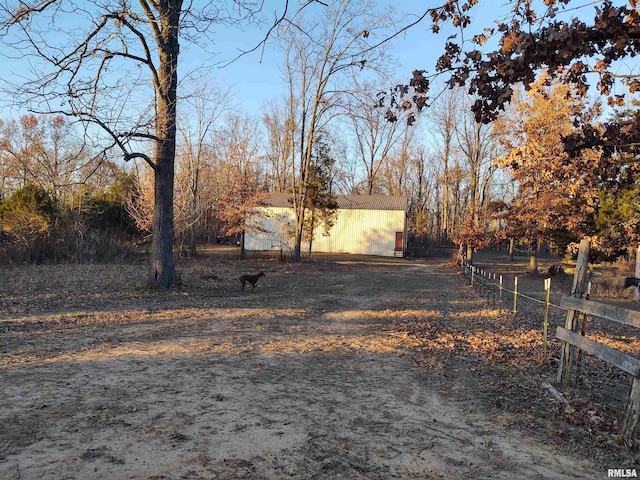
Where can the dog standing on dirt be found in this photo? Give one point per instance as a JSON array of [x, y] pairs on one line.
[[252, 279]]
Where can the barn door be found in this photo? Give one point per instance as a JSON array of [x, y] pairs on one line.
[[399, 242]]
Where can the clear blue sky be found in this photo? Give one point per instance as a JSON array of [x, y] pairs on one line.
[[256, 80], [256, 77]]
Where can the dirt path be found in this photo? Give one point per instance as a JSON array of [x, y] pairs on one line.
[[302, 382]]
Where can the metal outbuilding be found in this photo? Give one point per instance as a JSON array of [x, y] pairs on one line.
[[365, 224]]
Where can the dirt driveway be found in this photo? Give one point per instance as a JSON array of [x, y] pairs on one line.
[[306, 378]]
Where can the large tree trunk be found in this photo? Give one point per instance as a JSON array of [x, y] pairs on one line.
[[162, 265], [299, 204], [162, 271]]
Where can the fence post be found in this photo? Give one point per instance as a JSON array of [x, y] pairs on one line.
[[487, 278], [632, 414], [577, 290], [500, 287], [545, 324], [515, 295], [493, 292], [473, 271], [483, 285]]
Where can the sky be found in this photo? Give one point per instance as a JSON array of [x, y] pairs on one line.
[[256, 77], [257, 80]]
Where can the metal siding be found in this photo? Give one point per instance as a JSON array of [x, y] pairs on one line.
[[356, 231], [367, 232], [271, 223]]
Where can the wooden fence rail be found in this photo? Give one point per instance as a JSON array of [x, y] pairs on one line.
[[571, 338], [624, 362]]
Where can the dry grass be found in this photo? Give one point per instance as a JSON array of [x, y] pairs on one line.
[[328, 370]]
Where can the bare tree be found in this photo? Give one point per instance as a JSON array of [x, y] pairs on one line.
[[104, 69], [478, 151], [345, 175], [239, 175], [322, 57], [374, 135], [443, 117], [424, 193], [45, 151], [206, 104], [278, 153], [397, 163]]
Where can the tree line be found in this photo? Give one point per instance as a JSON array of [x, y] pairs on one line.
[[226, 165], [507, 147]]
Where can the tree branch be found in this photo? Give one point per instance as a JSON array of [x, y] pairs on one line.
[[276, 23], [144, 156]]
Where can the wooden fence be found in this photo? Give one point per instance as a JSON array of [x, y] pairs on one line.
[[576, 305], [624, 362]]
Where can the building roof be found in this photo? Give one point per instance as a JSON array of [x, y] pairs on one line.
[[349, 202]]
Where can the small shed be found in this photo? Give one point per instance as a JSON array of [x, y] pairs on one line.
[[364, 224]]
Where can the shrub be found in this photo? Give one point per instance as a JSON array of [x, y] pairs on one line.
[[27, 218]]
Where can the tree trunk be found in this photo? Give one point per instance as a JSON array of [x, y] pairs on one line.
[[312, 227], [192, 241], [297, 250], [512, 248], [445, 199], [300, 200], [162, 272], [533, 258], [470, 254], [194, 212], [243, 253]]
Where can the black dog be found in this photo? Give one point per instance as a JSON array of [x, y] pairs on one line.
[[252, 279], [629, 281]]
